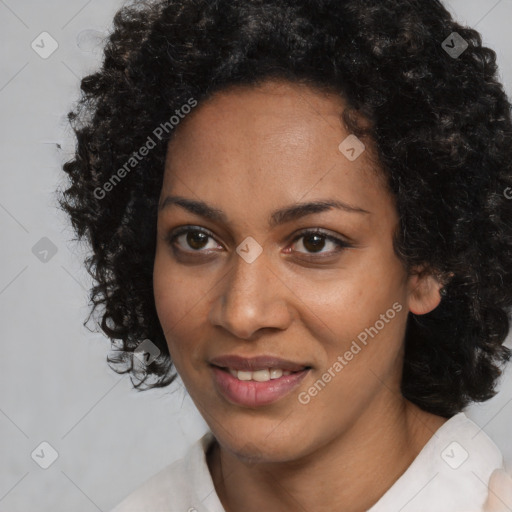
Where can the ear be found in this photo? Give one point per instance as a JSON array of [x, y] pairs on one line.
[[424, 292]]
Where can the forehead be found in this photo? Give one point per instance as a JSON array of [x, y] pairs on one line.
[[278, 141]]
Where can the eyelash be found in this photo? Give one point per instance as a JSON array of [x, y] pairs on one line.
[[341, 244]]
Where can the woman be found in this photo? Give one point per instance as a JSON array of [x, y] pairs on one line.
[[301, 207]]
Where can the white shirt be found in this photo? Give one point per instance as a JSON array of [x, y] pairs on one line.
[[450, 474]]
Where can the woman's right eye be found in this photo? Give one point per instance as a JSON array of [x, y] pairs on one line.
[[191, 240]]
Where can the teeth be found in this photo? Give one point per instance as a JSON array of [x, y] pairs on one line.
[[275, 373], [263, 375]]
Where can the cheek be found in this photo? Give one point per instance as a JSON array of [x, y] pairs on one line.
[[366, 329], [361, 352], [359, 317], [183, 301], [341, 306], [176, 302], [167, 287], [178, 290]]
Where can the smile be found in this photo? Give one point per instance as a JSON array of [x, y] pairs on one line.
[[263, 375], [256, 388]]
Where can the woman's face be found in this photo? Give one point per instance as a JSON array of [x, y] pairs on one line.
[[249, 282]]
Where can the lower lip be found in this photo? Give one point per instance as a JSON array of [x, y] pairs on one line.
[[251, 393]]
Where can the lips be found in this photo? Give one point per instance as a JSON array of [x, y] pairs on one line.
[[234, 379]]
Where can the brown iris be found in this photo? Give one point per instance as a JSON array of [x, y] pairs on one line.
[[196, 239], [316, 245]]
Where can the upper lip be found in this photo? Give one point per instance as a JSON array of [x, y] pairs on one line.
[[255, 363]]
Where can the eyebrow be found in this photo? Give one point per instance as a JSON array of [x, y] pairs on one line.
[[280, 216]]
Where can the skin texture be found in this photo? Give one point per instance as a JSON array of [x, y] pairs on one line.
[[500, 492], [248, 151]]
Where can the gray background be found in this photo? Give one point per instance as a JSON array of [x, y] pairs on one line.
[[55, 384]]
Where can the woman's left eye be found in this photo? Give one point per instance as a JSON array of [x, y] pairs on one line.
[[315, 241]]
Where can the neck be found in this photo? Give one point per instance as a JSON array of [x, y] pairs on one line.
[[349, 473]]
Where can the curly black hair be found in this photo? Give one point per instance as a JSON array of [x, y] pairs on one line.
[[440, 122]]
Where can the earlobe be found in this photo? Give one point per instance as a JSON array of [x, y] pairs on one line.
[[424, 293]]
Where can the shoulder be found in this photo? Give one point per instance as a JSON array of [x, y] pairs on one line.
[[450, 474], [465, 449], [184, 485]]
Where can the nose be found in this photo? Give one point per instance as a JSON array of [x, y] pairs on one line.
[[251, 297]]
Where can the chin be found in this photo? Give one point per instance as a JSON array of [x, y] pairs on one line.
[[257, 445]]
